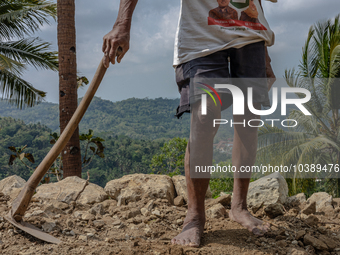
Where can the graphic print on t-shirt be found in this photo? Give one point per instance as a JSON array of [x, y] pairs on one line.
[[235, 13]]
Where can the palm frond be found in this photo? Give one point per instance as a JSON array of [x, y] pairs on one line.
[[11, 64], [24, 17], [18, 91], [309, 63], [307, 124], [31, 51]]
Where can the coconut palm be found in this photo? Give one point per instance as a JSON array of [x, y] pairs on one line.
[[316, 140], [68, 84], [19, 19]]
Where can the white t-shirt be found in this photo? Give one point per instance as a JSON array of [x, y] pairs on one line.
[[206, 27]]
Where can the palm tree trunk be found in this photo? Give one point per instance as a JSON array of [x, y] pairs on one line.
[[71, 156]]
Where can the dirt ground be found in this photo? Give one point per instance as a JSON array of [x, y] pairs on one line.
[[106, 228]]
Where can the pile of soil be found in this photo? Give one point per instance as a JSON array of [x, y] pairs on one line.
[[147, 227]]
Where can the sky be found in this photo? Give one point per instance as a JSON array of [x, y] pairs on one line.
[[146, 70]]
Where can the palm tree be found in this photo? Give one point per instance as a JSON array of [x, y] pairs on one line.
[[20, 19], [316, 140], [68, 84]]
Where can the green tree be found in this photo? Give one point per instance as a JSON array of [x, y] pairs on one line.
[[316, 139], [19, 20], [171, 158]]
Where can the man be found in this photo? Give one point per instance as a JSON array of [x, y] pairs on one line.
[[223, 11], [203, 50]]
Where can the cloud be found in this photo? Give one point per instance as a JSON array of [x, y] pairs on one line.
[[146, 70]]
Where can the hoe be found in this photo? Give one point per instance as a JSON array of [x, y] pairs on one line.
[[21, 202]]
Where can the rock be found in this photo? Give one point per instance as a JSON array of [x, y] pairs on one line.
[[132, 188], [329, 242], [90, 235], [181, 187], [37, 212], [269, 189], [128, 195], [312, 220], [49, 226], [51, 210], [98, 223], [274, 210], [70, 223], [336, 202], [322, 230], [179, 222], [87, 216], [323, 201], [256, 207], [116, 223], [145, 211], [149, 205], [309, 209], [108, 203], [78, 214], [300, 234], [82, 238], [148, 231], [216, 211], [179, 201], [296, 200], [281, 243], [68, 189], [293, 212], [316, 243], [298, 252], [97, 210], [224, 200], [59, 205], [156, 212], [133, 213], [11, 186]]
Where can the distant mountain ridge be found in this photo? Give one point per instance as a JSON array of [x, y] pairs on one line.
[[134, 117]]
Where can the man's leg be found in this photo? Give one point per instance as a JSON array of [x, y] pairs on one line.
[[244, 154], [200, 151]]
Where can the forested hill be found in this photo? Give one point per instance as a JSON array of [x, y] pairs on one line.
[[137, 118]]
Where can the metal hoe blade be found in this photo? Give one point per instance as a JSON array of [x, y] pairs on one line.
[[33, 230]]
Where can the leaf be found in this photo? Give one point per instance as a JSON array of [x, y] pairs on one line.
[[12, 148], [55, 136], [82, 137], [52, 141], [30, 157], [99, 145], [22, 155], [11, 159], [101, 154], [93, 149], [97, 139]]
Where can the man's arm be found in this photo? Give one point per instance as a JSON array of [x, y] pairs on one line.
[[119, 36]]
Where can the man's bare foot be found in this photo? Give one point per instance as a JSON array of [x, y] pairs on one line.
[[243, 217], [192, 231]]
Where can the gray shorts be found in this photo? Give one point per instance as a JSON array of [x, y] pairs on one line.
[[245, 64]]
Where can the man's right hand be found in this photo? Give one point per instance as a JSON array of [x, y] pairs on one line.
[[118, 37]]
